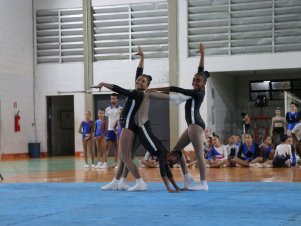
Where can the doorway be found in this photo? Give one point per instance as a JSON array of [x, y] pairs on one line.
[[60, 126]]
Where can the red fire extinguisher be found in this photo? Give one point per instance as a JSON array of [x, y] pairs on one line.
[[17, 122]]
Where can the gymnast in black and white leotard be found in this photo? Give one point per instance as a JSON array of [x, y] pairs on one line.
[[127, 122], [129, 132], [195, 124], [152, 144], [129, 129]]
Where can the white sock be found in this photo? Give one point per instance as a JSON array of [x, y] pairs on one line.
[[203, 182], [188, 177], [122, 180], [140, 180], [115, 180]]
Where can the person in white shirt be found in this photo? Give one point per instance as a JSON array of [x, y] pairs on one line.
[[297, 132], [232, 147], [283, 153], [217, 156], [112, 114]]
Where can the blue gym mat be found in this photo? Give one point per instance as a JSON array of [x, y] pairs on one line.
[[226, 203]]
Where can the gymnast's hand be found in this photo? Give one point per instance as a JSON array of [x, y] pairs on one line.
[[202, 48], [178, 189], [170, 190], [99, 86], [140, 52]]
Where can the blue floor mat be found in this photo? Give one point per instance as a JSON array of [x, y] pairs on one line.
[[226, 203]]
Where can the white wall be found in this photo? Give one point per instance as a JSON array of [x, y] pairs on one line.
[[16, 74], [50, 79], [221, 109], [123, 72]]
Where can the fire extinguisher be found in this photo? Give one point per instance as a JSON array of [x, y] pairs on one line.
[[17, 122]]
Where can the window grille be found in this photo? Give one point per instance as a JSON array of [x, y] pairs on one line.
[[230, 27], [59, 36], [119, 30]]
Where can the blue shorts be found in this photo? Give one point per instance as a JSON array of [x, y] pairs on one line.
[[111, 135], [290, 126]]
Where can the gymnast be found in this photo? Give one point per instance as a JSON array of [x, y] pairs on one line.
[[195, 123], [146, 136]]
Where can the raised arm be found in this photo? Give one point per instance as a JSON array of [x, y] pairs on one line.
[[141, 63], [202, 57]]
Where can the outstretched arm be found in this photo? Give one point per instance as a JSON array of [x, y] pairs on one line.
[[177, 98], [103, 84], [160, 89], [172, 180], [116, 89]]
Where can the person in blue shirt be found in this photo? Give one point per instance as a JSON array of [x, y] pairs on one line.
[[100, 140], [247, 154], [86, 128], [292, 117]]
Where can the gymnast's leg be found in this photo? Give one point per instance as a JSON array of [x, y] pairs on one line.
[[195, 133], [126, 145], [182, 142]]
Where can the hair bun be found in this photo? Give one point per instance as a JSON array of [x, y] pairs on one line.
[[207, 74]]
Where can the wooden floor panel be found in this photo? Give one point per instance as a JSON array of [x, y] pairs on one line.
[[70, 169]]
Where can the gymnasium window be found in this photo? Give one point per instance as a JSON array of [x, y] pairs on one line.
[[231, 27], [118, 31], [274, 90]]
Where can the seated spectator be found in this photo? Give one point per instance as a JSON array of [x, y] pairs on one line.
[[266, 153], [294, 154], [207, 146], [248, 153], [217, 156], [296, 135], [283, 153], [232, 147], [238, 140]]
